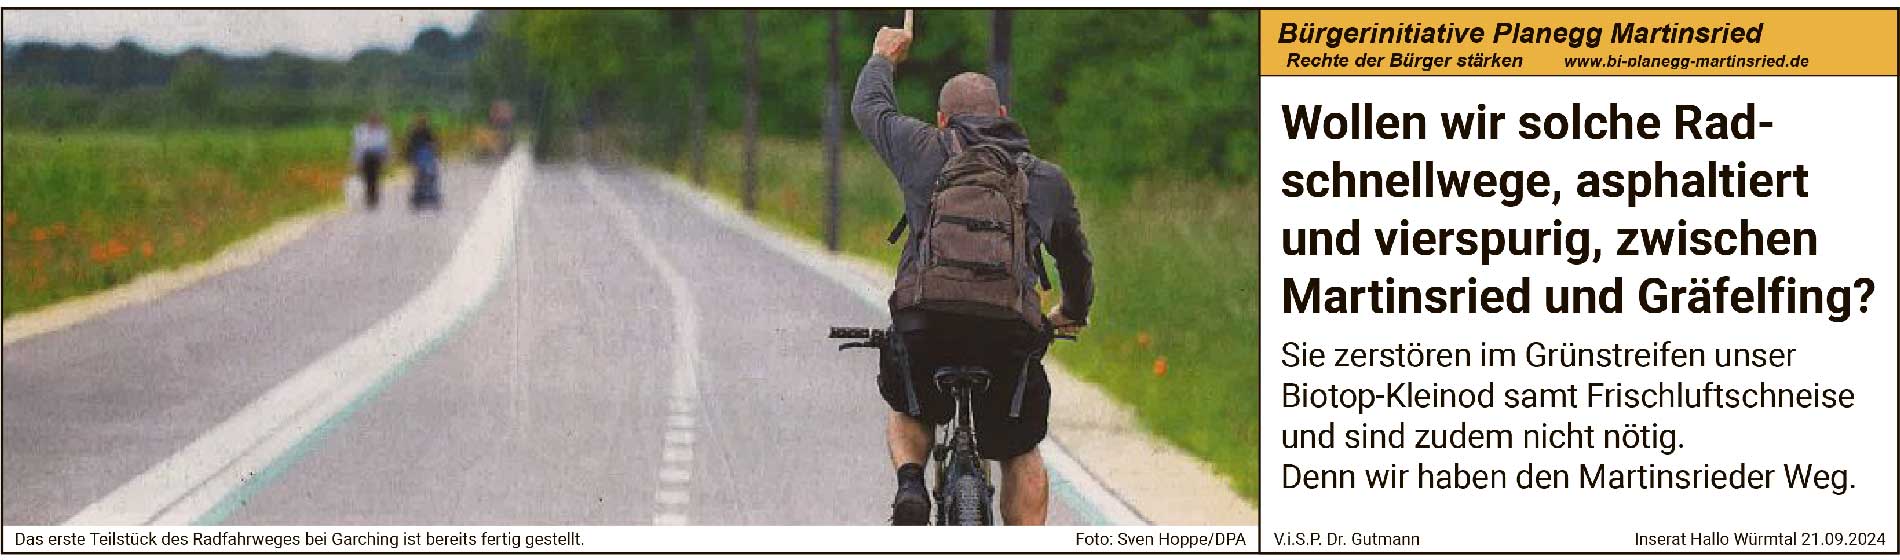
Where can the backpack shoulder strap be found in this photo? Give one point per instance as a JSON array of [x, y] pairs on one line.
[[1025, 162], [897, 231], [952, 145], [1042, 270]]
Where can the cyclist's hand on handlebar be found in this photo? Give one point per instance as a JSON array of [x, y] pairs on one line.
[[1062, 324]]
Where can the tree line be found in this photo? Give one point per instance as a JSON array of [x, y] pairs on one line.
[[1112, 95], [127, 85]]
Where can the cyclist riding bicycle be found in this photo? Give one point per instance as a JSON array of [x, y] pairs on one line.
[[423, 154], [1011, 417]]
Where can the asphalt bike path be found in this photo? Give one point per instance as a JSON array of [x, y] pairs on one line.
[[562, 344]]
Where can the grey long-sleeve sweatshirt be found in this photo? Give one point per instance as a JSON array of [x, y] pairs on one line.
[[915, 153]]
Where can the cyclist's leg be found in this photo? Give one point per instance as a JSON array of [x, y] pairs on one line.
[[909, 442], [1025, 490], [908, 439], [372, 172]]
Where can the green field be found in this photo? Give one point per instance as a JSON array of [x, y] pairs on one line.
[[1176, 325], [87, 210]]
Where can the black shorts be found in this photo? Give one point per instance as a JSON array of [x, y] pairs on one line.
[[998, 347]]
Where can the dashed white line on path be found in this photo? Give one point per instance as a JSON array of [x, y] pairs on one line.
[[672, 502], [1093, 496]]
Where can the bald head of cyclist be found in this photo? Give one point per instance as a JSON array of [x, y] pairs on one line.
[[968, 93]]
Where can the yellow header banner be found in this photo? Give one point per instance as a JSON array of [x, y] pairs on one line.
[[1609, 42]]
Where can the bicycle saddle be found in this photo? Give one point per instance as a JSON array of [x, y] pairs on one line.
[[952, 376]]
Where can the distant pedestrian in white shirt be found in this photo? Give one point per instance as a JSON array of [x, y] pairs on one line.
[[371, 147]]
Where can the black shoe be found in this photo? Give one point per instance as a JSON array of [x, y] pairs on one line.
[[912, 504]]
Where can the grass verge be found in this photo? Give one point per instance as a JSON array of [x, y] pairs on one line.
[[1176, 326], [88, 210]]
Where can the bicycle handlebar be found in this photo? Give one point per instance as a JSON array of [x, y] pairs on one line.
[[872, 338], [876, 338], [851, 332]]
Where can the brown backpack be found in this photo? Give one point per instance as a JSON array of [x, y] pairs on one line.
[[973, 251]]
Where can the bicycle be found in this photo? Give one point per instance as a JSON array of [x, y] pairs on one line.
[[426, 193], [964, 494]]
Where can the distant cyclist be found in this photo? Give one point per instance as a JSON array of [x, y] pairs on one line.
[[423, 154], [370, 146], [970, 118]]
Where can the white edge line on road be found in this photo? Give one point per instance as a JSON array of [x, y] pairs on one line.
[[1088, 491], [674, 497], [219, 463]]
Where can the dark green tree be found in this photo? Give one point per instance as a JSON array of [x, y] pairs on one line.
[[196, 84]]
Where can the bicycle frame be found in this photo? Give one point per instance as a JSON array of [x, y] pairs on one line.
[[956, 451]]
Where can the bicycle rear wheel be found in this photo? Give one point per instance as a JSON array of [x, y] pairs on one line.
[[969, 501]]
